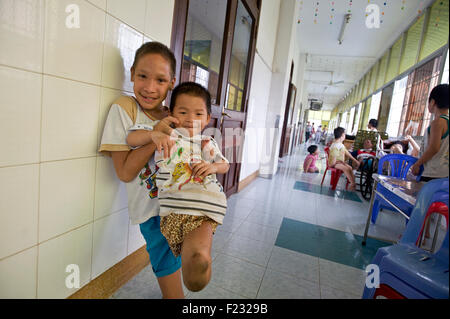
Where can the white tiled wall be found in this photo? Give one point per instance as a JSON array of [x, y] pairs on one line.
[[60, 201]]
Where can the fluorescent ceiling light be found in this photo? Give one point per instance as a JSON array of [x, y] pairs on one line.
[[344, 25]]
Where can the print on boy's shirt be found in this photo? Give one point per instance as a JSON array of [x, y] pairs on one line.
[[150, 180]]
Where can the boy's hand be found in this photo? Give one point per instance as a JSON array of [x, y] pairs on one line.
[[203, 169], [163, 142], [165, 125]]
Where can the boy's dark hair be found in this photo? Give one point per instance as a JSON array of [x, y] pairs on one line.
[[338, 132], [312, 149], [193, 89], [156, 48], [440, 96], [374, 123]]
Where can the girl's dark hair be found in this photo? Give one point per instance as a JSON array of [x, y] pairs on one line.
[[156, 48], [440, 96], [312, 149], [193, 89], [338, 131]]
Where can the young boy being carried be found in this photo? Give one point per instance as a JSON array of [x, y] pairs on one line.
[[192, 201]]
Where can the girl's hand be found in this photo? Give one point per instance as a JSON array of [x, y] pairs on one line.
[[415, 169], [203, 169], [165, 125], [163, 142]]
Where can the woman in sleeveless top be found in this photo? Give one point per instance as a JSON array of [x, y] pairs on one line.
[[434, 153]]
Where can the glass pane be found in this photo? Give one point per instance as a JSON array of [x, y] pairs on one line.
[[203, 44], [375, 106], [239, 56], [446, 70], [395, 112], [350, 122]]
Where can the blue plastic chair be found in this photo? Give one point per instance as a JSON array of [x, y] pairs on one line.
[[411, 271], [399, 166]]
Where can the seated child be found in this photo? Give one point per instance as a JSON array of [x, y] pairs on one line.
[[309, 165], [338, 152], [192, 201], [366, 152]]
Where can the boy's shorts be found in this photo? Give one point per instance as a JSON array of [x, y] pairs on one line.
[[162, 259]]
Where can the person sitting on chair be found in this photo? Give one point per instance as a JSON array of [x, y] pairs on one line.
[[338, 152], [365, 153]]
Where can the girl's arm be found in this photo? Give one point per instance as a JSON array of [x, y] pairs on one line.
[[416, 148], [308, 164], [128, 164], [434, 143]]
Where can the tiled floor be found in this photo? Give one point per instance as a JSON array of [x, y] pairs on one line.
[[247, 262]]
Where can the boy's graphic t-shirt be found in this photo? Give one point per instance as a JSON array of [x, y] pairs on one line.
[[125, 114], [179, 191]]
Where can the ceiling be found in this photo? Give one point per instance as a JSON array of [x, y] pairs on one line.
[[327, 60]]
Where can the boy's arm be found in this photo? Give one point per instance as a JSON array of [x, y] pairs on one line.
[[163, 142], [350, 156], [128, 164]]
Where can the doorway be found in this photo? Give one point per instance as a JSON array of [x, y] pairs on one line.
[[214, 43]]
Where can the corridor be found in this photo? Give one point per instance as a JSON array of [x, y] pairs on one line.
[[259, 251]]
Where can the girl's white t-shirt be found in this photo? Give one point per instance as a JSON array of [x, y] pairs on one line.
[[142, 191]]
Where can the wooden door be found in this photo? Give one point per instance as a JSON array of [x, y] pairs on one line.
[[214, 42], [288, 121]]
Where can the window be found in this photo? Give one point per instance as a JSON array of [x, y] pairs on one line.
[[350, 121], [357, 118], [203, 44], [415, 115], [446, 70], [375, 106], [395, 112], [239, 56]]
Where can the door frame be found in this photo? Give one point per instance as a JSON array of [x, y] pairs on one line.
[[181, 9]]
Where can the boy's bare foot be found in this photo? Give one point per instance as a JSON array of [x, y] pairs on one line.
[[352, 187]]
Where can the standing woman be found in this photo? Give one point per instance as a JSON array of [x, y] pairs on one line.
[[434, 152]]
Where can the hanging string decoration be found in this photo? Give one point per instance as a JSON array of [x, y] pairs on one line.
[[438, 18], [385, 3], [420, 10], [300, 10], [316, 12], [349, 10], [332, 12]]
